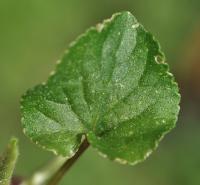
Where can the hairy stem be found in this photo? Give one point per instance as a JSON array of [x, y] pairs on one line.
[[66, 166]]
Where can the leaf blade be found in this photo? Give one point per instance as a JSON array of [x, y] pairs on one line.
[[111, 82]]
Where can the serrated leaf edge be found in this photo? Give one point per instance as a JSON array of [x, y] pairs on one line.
[[99, 27]]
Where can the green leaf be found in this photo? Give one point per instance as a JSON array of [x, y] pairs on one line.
[[7, 162], [113, 86]]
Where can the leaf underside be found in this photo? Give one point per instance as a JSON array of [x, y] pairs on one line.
[[7, 162], [113, 86]]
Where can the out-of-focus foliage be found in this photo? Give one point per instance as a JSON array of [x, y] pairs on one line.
[[35, 33], [7, 162]]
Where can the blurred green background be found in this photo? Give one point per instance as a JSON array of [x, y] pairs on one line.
[[35, 33]]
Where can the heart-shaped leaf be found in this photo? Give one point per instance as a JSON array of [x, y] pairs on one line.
[[112, 86], [7, 162]]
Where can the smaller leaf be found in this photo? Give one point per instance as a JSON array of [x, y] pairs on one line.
[[7, 162]]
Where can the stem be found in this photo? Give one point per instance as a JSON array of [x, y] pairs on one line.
[[66, 166]]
